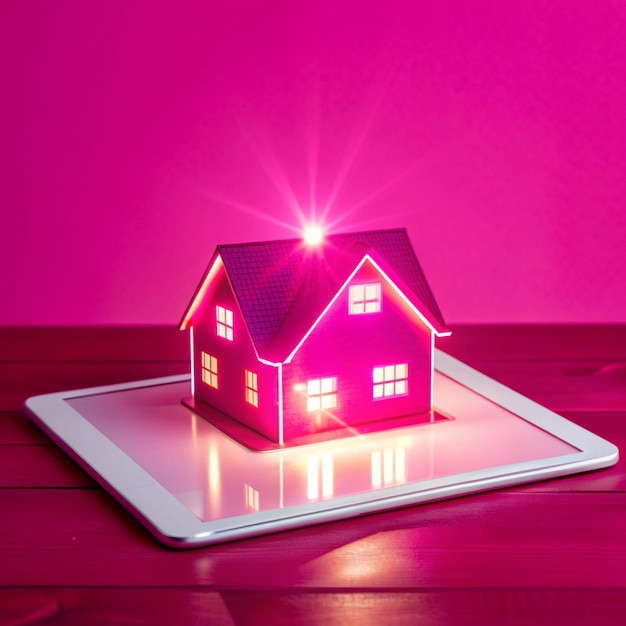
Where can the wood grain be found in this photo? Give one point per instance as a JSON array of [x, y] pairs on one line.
[[39, 467], [16, 428], [119, 605], [536, 342], [22, 380], [92, 344], [496, 539], [576, 385], [551, 552]]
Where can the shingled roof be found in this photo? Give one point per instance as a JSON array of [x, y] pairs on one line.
[[275, 281]]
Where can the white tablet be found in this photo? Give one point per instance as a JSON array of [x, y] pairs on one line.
[[191, 484]]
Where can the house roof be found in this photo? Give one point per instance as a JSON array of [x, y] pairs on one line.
[[283, 286]]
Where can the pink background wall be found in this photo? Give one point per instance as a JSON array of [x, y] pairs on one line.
[[137, 135]]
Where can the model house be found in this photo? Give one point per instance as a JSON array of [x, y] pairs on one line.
[[290, 338]]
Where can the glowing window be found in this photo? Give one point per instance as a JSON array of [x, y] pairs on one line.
[[252, 388], [209, 370], [321, 394], [391, 380], [224, 322], [365, 298]]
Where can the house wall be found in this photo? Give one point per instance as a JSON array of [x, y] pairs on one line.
[[349, 347], [234, 357]]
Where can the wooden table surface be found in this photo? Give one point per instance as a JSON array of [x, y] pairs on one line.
[[551, 552]]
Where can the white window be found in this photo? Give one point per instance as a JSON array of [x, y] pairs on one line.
[[365, 298], [391, 380], [224, 322], [252, 388], [209, 370], [321, 394]]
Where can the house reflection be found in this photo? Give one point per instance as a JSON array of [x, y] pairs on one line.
[[388, 467], [237, 481], [320, 475]]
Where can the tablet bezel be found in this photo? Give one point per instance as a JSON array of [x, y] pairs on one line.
[[176, 526]]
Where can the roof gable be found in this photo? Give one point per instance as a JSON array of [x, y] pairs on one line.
[[276, 282]]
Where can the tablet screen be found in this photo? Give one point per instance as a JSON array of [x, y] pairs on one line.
[[215, 477]]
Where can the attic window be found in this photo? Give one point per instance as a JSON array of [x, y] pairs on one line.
[[365, 298], [321, 394], [224, 322], [391, 380]]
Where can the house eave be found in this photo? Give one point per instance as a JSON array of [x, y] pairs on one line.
[[214, 266]]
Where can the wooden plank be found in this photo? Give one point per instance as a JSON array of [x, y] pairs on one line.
[[17, 429], [611, 479], [79, 605], [564, 385], [610, 425], [83, 606], [92, 343], [39, 467], [496, 540], [476, 606], [476, 343], [22, 380]]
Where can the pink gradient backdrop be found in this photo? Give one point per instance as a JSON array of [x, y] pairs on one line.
[[137, 135]]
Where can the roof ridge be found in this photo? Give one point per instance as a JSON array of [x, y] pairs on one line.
[[292, 240]]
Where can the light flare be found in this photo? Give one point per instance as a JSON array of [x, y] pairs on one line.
[[313, 235]]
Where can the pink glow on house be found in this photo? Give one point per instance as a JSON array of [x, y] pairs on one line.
[[291, 339]]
